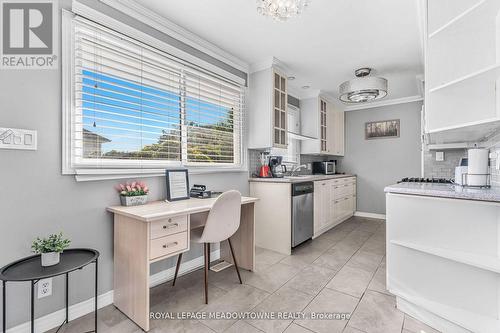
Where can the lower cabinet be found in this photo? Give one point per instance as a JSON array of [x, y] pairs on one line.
[[334, 202]]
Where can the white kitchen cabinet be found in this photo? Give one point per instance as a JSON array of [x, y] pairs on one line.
[[322, 120], [267, 100], [462, 65], [334, 202], [338, 133]]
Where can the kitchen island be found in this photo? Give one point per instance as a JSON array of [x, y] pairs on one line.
[[443, 254]]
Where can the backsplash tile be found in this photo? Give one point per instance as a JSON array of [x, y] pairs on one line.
[[446, 168], [254, 164]]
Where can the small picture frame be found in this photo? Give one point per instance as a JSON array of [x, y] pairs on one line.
[[382, 129], [177, 181]]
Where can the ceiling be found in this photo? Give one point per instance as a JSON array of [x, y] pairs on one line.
[[322, 47]]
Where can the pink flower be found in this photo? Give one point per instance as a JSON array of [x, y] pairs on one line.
[[122, 187], [138, 186], [133, 184], [146, 189], [128, 188]]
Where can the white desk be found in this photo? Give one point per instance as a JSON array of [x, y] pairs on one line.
[[160, 230]]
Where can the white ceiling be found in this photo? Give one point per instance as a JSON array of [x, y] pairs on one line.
[[322, 47]]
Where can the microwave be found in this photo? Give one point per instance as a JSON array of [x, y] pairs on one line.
[[324, 168]]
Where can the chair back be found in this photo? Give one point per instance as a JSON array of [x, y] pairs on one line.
[[223, 219]]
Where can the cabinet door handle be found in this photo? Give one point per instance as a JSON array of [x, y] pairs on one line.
[[170, 226], [170, 244]]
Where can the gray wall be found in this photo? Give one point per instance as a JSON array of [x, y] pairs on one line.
[[381, 162], [35, 199]]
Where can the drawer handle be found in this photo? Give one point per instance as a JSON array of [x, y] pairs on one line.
[[170, 244], [170, 226]]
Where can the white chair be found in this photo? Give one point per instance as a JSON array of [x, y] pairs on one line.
[[222, 222]]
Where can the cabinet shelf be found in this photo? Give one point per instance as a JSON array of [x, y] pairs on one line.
[[483, 262], [490, 73], [456, 19]]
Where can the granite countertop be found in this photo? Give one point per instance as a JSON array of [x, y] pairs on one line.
[[446, 191], [302, 178]]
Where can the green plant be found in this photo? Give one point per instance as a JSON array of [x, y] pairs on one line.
[[53, 243]]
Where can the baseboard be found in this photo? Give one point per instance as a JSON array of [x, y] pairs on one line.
[[428, 317], [54, 319], [370, 215]]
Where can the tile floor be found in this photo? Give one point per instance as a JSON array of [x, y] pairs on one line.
[[342, 271]]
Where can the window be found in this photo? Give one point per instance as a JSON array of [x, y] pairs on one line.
[[134, 106]]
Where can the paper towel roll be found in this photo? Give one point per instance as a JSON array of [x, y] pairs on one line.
[[478, 165]]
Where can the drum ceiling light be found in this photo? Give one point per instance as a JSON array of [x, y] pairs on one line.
[[363, 88]]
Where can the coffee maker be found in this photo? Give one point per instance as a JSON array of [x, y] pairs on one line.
[[277, 169]]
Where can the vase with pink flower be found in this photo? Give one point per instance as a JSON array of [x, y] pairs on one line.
[[133, 193]]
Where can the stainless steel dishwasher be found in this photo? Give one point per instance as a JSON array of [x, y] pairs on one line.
[[302, 212]]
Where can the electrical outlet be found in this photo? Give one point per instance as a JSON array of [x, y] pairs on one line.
[[44, 288]]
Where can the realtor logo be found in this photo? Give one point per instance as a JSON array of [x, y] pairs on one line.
[[28, 34]]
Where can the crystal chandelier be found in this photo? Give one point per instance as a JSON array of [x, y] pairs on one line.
[[281, 10]]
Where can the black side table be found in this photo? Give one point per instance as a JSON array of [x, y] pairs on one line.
[[30, 269]]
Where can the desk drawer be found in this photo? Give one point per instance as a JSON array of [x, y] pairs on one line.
[[168, 226], [163, 246]]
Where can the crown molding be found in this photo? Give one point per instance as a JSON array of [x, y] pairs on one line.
[[160, 23], [268, 63], [395, 101]]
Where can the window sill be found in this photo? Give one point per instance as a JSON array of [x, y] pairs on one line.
[[84, 175]]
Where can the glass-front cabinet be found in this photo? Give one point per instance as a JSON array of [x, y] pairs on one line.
[[323, 125], [279, 109]]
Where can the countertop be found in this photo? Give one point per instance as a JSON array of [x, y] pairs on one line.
[[303, 178], [446, 191]]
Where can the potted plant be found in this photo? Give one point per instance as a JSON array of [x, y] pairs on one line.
[[133, 194], [50, 248]]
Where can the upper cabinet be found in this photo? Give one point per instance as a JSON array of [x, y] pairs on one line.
[[322, 120], [462, 72], [268, 91]]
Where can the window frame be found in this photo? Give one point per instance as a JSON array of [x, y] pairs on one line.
[[119, 168]]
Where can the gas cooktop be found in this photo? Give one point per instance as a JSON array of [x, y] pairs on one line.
[[426, 180]]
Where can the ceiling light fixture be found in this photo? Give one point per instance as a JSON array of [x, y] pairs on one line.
[[363, 88], [306, 87], [281, 10], [291, 78]]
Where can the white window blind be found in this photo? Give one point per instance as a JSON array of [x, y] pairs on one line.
[[136, 106]]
